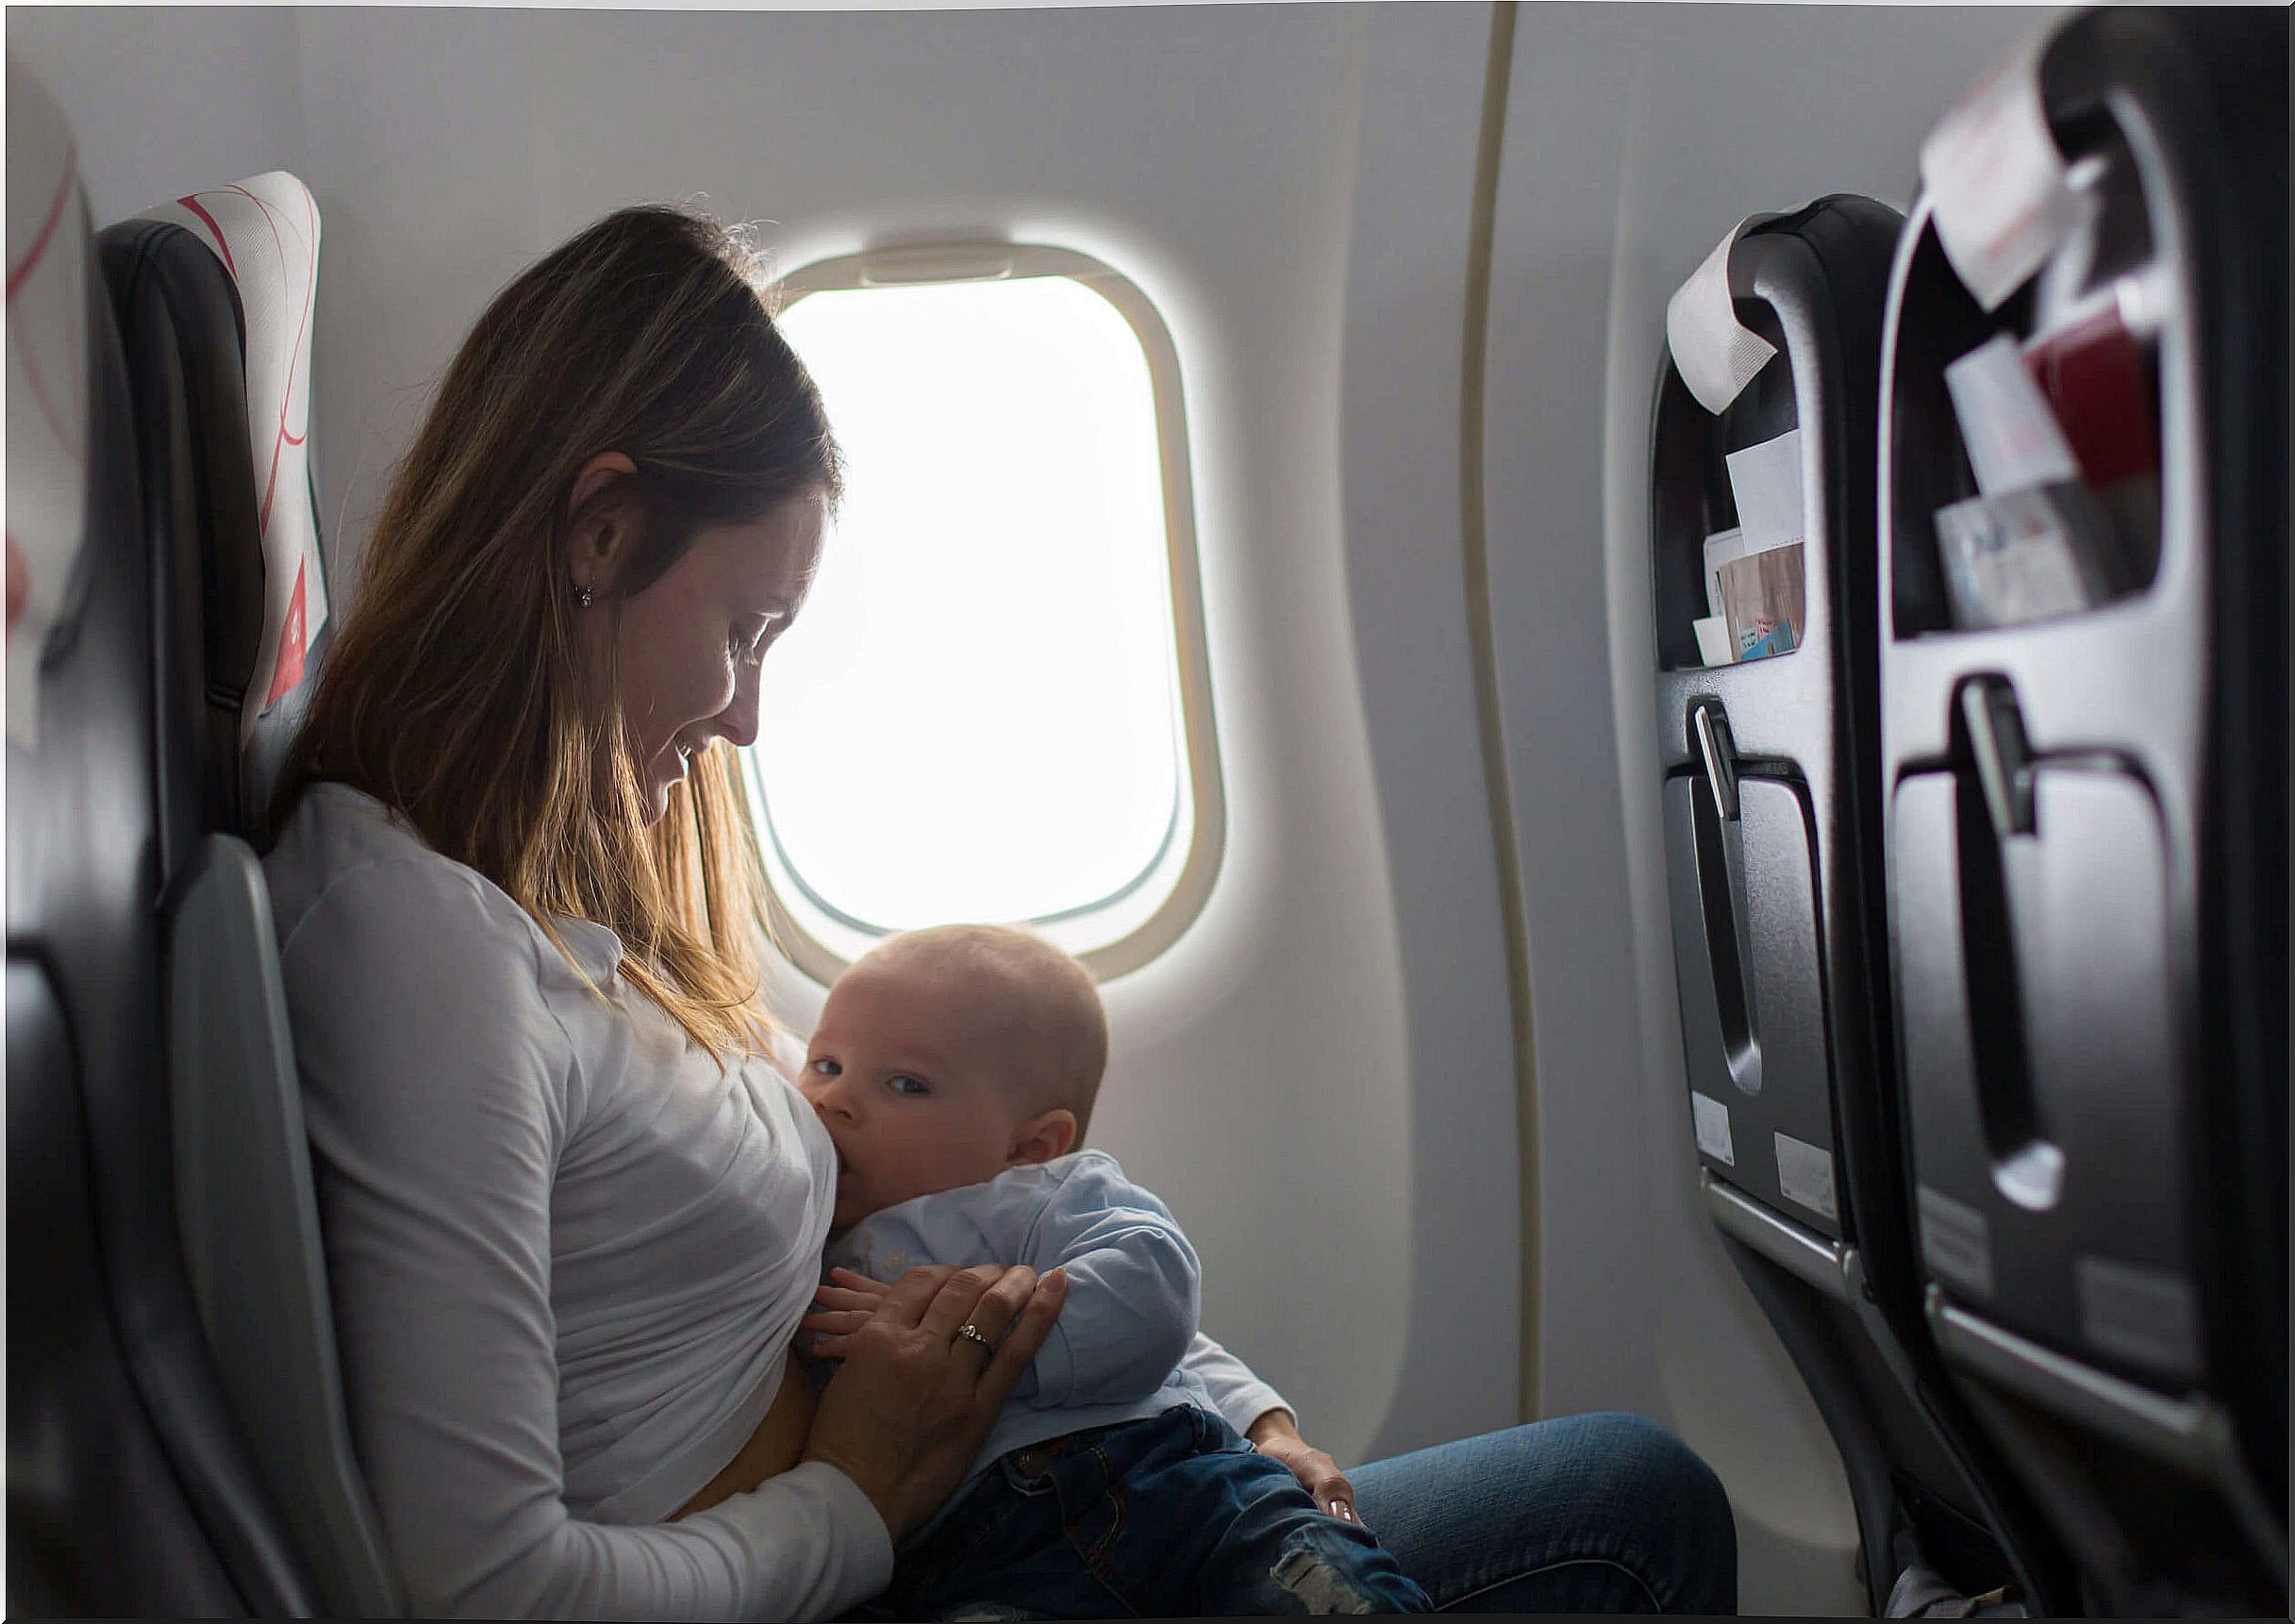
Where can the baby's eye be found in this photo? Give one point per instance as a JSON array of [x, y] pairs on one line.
[[903, 1084], [824, 1067]]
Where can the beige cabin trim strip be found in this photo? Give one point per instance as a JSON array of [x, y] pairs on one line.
[[1498, 783]]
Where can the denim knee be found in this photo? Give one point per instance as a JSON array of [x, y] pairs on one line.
[[1687, 1507]]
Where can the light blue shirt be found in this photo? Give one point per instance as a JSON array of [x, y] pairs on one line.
[[1125, 1345]]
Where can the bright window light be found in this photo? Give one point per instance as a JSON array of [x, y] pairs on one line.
[[978, 714]]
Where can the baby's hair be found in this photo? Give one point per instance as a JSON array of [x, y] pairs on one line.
[[1059, 1000]]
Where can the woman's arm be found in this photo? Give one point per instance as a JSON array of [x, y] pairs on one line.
[[438, 1092], [846, 1425]]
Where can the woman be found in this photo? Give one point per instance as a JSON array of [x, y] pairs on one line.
[[572, 1214]]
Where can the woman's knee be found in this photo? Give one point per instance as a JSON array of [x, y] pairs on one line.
[[1652, 1472], [1533, 1517]]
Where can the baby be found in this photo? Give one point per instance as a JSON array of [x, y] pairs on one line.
[[955, 1069]]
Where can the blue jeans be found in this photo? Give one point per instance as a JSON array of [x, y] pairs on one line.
[[1171, 1517], [1601, 1512]]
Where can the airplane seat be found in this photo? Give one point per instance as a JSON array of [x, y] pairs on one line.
[[214, 297], [2085, 839], [129, 1487], [1762, 470]]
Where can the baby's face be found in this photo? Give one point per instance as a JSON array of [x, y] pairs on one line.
[[909, 1070]]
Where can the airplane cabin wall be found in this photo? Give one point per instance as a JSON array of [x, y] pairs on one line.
[[1410, 240], [165, 98]]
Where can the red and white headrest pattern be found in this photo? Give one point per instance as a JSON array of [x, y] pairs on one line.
[[265, 230]]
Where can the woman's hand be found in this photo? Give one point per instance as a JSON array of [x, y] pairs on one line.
[[915, 1396], [1277, 1433]]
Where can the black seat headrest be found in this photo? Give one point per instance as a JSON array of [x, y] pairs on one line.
[[215, 294]]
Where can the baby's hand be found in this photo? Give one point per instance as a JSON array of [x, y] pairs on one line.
[[840, 1307]]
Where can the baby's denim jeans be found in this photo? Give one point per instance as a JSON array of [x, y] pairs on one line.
[[1175, 1516]]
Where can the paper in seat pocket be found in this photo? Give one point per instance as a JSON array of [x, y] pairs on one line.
[[2024, 554], [1762, 597]]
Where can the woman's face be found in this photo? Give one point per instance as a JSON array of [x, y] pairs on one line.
[[689, 646]]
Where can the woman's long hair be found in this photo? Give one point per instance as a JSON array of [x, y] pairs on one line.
[[451, 692]]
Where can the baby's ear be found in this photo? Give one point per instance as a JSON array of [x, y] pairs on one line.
[[1042, 1138]]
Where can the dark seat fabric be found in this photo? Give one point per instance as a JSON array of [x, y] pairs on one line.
[[1951, 1491], [2089, 974], [130, 1491], [247, 1226], [1770, 804], [181, 331]]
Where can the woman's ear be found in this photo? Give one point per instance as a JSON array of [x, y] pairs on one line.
[[601, 536], [1040, 1139]]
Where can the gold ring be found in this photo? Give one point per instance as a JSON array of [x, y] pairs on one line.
[[974, 1333]]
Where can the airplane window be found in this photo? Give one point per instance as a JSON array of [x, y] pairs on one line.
[[984, 711]]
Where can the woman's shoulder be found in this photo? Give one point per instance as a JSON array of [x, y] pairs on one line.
[[347, 864], [426, 1023]]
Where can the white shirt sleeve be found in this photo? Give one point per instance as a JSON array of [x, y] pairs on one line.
[[441, 1091], [1241, 1396]]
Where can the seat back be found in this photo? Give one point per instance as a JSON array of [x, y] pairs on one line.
[[2087, 820], [215, 294], [129, 1490], [250, 1227], [1773, 866]]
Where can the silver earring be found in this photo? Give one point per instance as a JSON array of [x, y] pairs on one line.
[[582, 597]]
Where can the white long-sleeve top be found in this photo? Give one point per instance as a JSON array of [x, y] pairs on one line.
[[567, 1253]]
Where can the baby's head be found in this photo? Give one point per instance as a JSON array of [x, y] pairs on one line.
[[948, 1054]]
